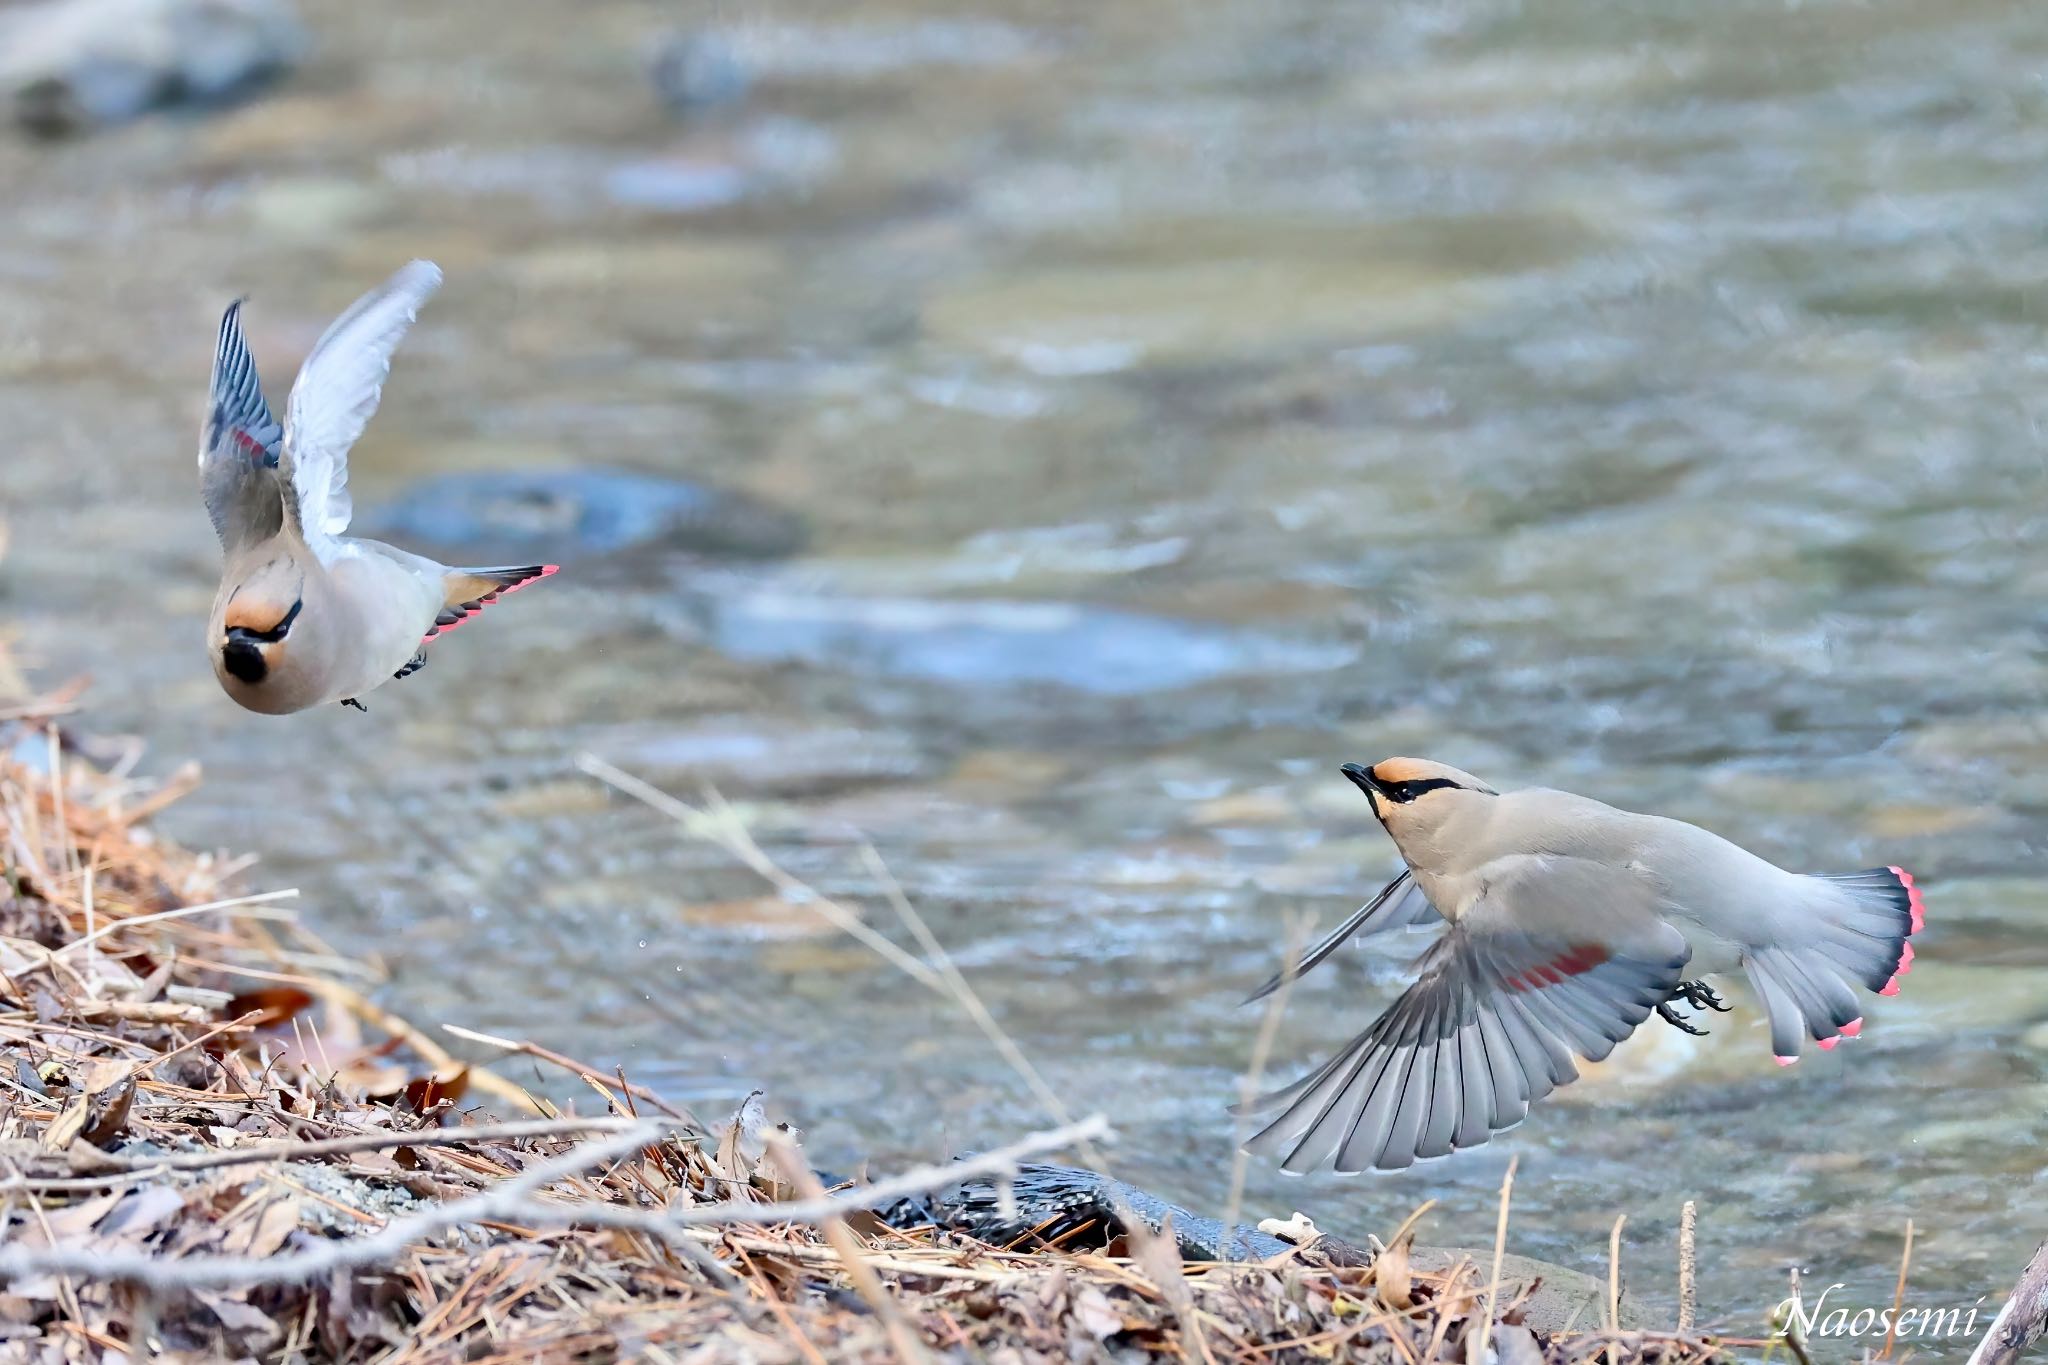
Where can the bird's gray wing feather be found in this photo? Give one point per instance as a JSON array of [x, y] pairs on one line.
[[238, 449], [337, 391], [1556, 957], [1399, 904]]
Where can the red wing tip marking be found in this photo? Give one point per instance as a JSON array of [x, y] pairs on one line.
[[1582, 957]]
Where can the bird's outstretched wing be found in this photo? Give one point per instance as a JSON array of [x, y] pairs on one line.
[[337, 392], [238, 449], [1399, 904], [1558, 956]]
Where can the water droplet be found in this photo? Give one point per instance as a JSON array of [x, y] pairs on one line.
[[643, 943]]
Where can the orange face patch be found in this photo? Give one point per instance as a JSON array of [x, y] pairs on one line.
[[1391, 770], [254, 613]]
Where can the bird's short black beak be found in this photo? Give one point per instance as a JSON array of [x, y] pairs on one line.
[[1361, 777]]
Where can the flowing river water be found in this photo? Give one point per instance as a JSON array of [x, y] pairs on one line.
[[1140, 409]]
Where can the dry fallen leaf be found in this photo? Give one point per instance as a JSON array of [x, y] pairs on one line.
[[276, 1004], [1515, 1345], [1392, 1279], [98, 1114], [142, 1212], [1095, 1314], [67, 1224], [153, 985], [741, 1144], [253, 1324], [68, 1125], [107, 1111], [428, 1091], [371, 1073], [269, 1230], [1158, 1255]]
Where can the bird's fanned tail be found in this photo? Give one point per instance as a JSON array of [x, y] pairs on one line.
[[468, 591], [1859, 934]]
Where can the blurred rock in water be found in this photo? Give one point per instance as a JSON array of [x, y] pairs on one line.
[[699, 71], [519, 514], [73, 65]]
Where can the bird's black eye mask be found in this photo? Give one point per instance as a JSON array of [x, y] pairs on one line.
[[1401, 793]]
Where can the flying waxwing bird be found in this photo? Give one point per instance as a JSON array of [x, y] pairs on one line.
[[1569, 923], [305, 614]]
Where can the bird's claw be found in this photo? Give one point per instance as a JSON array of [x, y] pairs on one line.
[[351, 701], [1700, 996], [1678, 1021]]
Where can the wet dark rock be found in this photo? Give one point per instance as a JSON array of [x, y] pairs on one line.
[[1058, 1204], [73, 65], [1074, 1208], [995, 643], [503, 516]]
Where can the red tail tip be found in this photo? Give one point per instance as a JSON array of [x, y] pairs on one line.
[[1891, 987], [1913, 898]]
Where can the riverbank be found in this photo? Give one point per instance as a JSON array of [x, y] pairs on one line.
[[218, 1143]]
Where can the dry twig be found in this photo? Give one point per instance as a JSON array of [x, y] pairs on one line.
[[2023, 1318]]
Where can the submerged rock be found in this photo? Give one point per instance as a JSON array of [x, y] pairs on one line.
[[72, 65], [1087, 648], [514, 515]]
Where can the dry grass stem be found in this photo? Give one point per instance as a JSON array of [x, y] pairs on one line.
[[1688, 1265]]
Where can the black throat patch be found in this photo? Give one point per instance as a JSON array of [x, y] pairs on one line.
[[243, 660]]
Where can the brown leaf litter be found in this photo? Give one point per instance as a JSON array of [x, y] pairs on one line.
[[211, 1149]]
